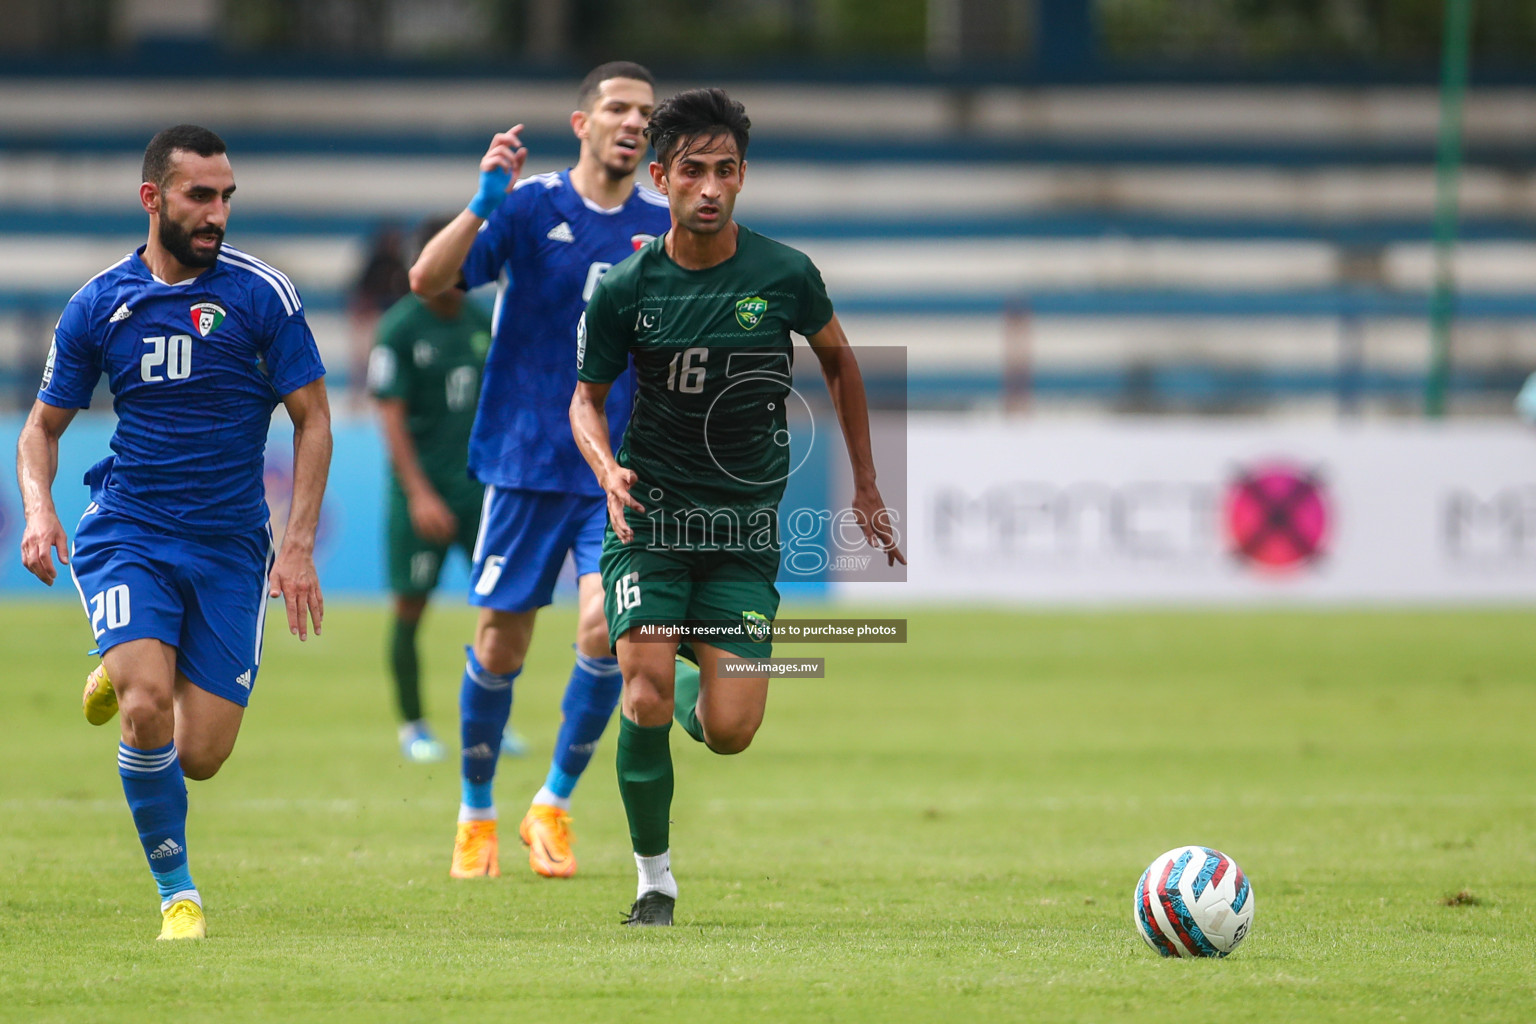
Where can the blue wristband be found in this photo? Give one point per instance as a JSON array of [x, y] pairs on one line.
[[493, 189]]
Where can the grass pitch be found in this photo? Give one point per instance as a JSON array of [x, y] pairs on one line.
[[949, 829]]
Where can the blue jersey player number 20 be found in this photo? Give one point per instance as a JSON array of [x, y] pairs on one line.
[[173, 558]]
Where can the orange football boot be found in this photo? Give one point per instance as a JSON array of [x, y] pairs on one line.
[[474, 851], [546, 831]]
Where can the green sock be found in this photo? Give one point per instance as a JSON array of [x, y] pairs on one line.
[[405, 667], [685, 699], [645, 784]]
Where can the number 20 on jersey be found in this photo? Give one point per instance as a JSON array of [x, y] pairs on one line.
[[166, 359]]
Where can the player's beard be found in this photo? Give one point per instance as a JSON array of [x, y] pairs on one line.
[[618, 170], [177, 241], [623, 164]]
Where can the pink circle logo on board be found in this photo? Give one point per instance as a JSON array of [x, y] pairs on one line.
[[1277, 516]]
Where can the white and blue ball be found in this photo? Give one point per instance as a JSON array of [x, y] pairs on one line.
[[1193, 901]]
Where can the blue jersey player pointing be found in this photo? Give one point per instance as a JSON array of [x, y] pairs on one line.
[[173, 557], [548, 239]]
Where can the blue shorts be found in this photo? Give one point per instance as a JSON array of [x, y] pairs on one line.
[[524, 537], [206, 596]]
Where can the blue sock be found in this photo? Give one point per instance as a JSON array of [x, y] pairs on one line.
[[485, 704], [590, 698], [157, 796]]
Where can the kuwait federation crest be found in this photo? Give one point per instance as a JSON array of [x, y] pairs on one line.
[[206, 317], [749, 312]]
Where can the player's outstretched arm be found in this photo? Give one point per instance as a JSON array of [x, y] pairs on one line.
[[37, 463], [590, 427], [293, 574], [437, 268], [846, 386]]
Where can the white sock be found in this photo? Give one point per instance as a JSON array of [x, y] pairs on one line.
[[467, 813], [656, 874], [544, 796], [185, 894]]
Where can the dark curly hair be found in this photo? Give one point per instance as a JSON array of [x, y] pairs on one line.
[[697, 117]]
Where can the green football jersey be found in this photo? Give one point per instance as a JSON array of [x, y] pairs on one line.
[[434, 366], [712, 355]]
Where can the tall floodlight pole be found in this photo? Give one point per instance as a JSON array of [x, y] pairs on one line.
[[1453, 91]]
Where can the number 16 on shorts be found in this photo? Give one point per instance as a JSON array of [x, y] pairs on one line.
[[626, 591]]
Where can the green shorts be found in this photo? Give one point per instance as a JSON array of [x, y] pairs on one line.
[[705, 588], [415, 564]]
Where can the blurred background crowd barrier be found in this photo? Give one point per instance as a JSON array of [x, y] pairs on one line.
[[1065, 211]]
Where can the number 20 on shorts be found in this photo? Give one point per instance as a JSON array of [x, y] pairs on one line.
[[110, 605]]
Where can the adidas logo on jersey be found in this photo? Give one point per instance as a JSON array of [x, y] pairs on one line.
[[169, 848], [244, 679], [123, 313], [561, 233]]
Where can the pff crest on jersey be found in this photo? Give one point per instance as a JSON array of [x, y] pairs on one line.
[[749, 312], [206, 317]]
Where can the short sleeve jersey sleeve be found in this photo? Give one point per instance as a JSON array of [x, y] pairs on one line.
[[74, 360], [497, 239], [604, 335], [294, 356], [291, 355], [389, 372], [815, 307]]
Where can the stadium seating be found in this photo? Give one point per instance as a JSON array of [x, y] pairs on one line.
[[1188, 249]]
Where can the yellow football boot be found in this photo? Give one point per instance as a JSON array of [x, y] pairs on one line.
[[474, 851], [183, 920], [99, 699], [546, 831]]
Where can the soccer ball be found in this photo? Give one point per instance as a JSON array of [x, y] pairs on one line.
[[1193, 901]]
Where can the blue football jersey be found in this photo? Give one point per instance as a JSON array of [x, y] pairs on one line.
[[195, 370], [549, 248]]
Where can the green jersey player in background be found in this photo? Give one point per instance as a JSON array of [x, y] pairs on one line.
[[706, 313], [424, 371]]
